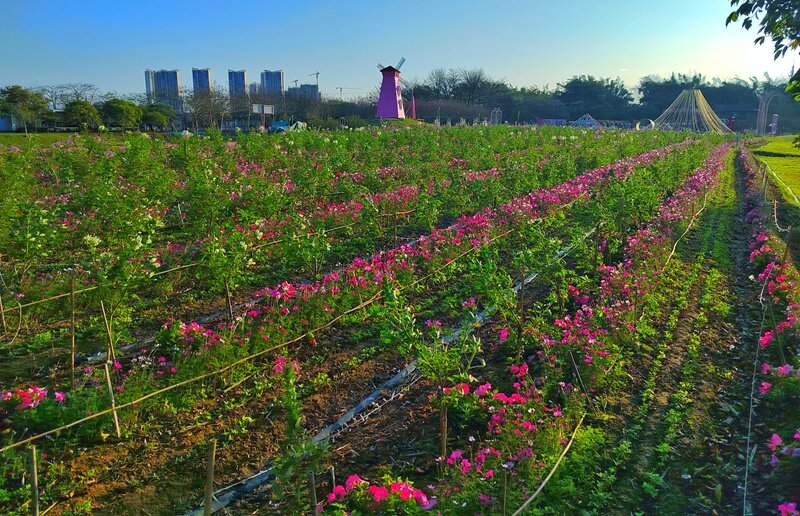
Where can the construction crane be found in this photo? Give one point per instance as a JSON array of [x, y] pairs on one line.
[[316, 74], [341, 88], [295, 82]]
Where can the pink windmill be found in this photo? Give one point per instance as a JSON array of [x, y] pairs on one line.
[[390, 101]]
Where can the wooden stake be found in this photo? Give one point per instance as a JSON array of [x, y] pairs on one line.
[[208, 504], [3, 315], [312, 489], [34, 483], [443, 430], [113, 403], [111, 355], [333, 477], [72, 330], [228, 298]]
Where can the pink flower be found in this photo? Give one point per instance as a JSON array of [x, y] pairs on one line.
[[280, 365], [403, 490], [765, 339], [502, 335], [483, 389], [420, 497], [765, 387], [785, 370], [353, 480], [489, 473], [463, 388], [337, 494], [797, 435], [117, 364], [379, 493], [774, 442], [60, 396], [788, 509]]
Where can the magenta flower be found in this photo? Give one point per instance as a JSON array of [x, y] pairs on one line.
[[765, 339], [60, 396], [280, 365], [353, 480], [379, 493], [788, 509], [774, 442], [502, 335], [765, 387], [337, 494]]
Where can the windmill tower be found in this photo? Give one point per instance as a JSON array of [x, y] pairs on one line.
[[390, 102]]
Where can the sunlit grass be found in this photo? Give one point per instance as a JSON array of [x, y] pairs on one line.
[[783, 158]]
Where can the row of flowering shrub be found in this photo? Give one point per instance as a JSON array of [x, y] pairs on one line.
[[527, 425], [285, 311], [779, 369], [93, 213]]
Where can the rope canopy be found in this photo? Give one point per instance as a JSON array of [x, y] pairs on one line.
[[690, 111]]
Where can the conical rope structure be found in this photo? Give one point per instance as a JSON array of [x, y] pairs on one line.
[[690, 111]]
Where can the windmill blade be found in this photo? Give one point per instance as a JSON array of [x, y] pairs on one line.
[[400, 62], [404, 82], [380, 66]]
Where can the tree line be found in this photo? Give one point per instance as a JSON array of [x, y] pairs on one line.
[[443, 93]]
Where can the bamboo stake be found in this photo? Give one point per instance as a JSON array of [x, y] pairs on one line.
[[111, 354], [113, 403], [312, 489], [228, 299], [34, 483], [3, 316], [72, 329], [443, 430], [208, 504], [333, 477]]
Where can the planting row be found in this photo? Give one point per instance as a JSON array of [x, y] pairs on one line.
[[102, 216], [774, 471], [288, 311], [563, 374]]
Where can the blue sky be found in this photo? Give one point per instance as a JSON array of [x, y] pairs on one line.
[[534, 42]]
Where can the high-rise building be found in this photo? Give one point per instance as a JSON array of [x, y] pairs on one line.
[[255, 88], [272, 82], [237, 83], [149, 84], [201, 81], [310, 91], [164, 86]]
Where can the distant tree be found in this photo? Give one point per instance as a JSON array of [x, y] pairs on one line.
[[121, 113], [207, 109], [778, 20], [600, 97], [440, 84], [23, 104], [157, 115], [82, 113], [475, 86]]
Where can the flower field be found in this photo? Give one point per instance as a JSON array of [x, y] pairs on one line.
[[450, 320]]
